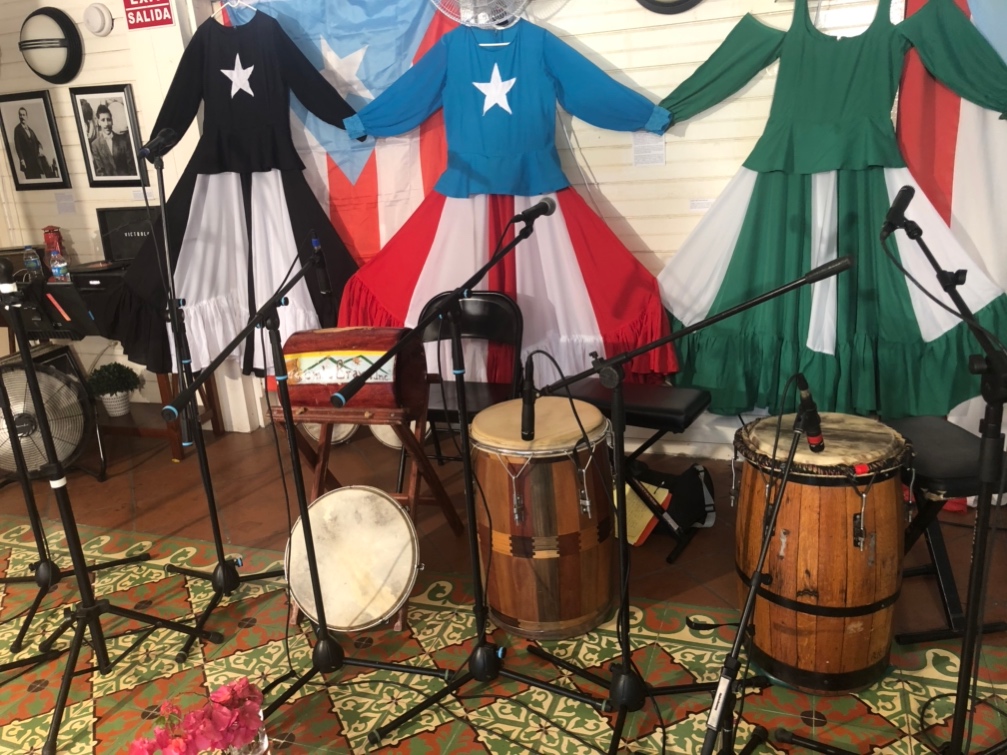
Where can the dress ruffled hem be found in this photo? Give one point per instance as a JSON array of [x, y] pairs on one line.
[[747, 370]]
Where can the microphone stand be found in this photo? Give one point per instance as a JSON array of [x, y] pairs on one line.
[[224, 579], [627, 689], [485, 662], [86, 616], [993, 369], [327, 656]]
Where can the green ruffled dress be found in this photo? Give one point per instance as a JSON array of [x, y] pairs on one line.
[[818, 185]]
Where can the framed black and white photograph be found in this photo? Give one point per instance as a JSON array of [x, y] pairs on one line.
[[32, 141], [109, 135]]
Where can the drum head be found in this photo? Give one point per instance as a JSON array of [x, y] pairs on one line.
[[340, 433], [556, 429], [386, 435], [367, 553], [851, 443]]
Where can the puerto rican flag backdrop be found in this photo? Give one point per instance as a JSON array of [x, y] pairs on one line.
[[958, 151], [369, 188]]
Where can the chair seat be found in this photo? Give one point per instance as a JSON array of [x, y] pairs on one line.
[[946, 456], [658, 407]]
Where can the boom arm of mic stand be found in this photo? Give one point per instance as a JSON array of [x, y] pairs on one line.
[[172, 410], [342, 397]]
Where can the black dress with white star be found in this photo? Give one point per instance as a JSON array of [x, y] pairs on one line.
[[242, 212]]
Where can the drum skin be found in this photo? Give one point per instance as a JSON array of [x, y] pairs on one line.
[[823, 623], [551, 570]]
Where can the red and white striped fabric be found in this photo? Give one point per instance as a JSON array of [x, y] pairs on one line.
[[957, 151], [399, 174]]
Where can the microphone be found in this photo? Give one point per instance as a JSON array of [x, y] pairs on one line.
[[812, 420], [896, 216], [166, 139], [546, 207], [759, 736], [324, 287], [528, 405], [835, 267]]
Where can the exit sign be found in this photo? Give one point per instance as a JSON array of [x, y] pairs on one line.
[[143, 14]]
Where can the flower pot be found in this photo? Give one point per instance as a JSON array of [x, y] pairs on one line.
[[116, 404]]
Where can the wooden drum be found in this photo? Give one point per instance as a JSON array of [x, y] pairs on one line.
[[823, 619], [547, 542]]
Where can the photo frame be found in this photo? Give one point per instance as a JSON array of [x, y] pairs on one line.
[[109, 135], [34, 151]]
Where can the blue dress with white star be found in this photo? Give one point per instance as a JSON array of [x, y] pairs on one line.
[[579, 288], [242, 212], [500, 107]]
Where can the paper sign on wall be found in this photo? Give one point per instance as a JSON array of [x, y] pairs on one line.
[[143, 14]]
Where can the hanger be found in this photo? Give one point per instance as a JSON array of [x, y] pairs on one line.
[[232, 4], [499, 27]]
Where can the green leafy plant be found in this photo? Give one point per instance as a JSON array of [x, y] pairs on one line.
[[113, 378]]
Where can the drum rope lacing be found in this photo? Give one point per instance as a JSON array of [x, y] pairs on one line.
[[517, 502]]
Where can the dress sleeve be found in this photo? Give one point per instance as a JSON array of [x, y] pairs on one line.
[[415, 96], [308, 85], [750, 47], [957, 54], [181, 103], [586, 91]]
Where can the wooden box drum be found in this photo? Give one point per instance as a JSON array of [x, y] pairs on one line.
[[823, 623], [368, 556], [546, 544], [320, 362]]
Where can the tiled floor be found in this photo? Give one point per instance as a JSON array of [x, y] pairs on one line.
[[148, 493]]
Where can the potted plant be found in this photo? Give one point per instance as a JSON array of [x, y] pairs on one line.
[[113, 383]]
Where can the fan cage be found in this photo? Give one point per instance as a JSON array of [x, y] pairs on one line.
[[485, 14], [66, 406]]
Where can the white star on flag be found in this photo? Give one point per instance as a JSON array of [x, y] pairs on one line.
[[342, 72], [495, 90], [239, 77]]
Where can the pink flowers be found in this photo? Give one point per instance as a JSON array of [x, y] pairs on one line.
[[230, 720]]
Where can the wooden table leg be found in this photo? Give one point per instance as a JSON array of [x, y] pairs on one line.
[[165, 386], [415, 450]]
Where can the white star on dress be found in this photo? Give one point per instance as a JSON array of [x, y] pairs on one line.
[[495, 90], [239, 77]]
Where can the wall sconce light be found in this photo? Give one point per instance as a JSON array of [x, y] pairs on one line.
[[51, 45]]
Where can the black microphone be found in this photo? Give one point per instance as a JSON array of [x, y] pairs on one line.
[[812, 420], [896, 216], [166, 139], [835, 267], [324, 287], [546, 207], [528, 407], [759, 736]]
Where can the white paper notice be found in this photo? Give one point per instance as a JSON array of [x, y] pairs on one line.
[[648, 149], [700, 205], [64, 203]]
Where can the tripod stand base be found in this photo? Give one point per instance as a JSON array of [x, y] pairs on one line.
[[225, 580]]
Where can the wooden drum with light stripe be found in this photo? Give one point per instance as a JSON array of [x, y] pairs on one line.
[[546, 544], [823, 617]]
